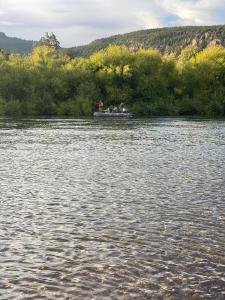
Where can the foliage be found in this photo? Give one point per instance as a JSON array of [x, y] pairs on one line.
[[48, 82]]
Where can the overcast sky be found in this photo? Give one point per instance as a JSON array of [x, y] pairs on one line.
[[78, 22]]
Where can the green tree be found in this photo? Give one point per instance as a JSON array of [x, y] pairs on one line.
[[49, 40]]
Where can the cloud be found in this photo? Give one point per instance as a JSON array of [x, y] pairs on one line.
[[198, 12], [81, 21], [6, 23]]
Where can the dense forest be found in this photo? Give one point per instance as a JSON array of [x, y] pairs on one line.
[[166, 40], [48, 82]]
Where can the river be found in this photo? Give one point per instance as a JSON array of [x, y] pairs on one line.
[[112, 209]]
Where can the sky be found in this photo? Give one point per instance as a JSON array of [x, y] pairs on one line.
[[77, 22]]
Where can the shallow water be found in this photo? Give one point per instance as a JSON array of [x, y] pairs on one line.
[[112, 209]]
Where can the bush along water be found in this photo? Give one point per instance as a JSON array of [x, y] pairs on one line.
[[48, 82]]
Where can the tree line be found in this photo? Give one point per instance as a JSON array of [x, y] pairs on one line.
[[48, 82]]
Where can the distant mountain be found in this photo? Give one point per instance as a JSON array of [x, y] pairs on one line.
[[166, 40], [12, 44]]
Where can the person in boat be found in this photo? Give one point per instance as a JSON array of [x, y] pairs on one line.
[[100, 105], [110, 108], [115, 109], [121, 106]]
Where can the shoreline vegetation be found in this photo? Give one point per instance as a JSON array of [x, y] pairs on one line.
[[48, 82]]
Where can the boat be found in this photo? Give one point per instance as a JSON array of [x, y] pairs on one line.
[[120, 112], [106, 114]]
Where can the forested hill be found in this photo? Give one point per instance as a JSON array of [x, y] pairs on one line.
[[166, 40], [12, 44]]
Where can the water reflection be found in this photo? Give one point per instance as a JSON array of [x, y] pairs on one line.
[[124, 210]]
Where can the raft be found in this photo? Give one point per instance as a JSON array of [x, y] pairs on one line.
[[117, 115]]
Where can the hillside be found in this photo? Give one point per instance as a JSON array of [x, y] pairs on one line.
[[12, 44], [166, 40]]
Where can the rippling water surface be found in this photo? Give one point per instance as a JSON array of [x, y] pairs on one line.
[[112, 209]]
